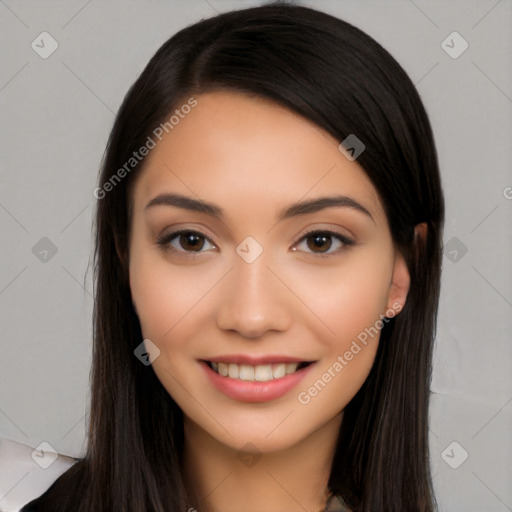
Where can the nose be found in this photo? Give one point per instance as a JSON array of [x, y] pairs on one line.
[[254, 300]]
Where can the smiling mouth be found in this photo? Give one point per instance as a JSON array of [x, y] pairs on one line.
[[259, 373]]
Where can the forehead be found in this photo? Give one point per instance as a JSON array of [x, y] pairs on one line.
[[237, 149]]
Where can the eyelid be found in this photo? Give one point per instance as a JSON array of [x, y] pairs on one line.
[[345, 240], [163, 241]]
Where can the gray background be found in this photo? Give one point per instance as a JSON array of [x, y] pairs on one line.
[[56, 114]]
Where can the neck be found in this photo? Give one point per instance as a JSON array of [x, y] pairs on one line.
[[219, 478]]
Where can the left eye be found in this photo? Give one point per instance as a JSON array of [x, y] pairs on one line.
[[186, 241], [321, 242]]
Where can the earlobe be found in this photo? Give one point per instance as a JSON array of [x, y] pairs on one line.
[[399, 286], [124, 265], [119, 252], [401, 279], [123, 258]]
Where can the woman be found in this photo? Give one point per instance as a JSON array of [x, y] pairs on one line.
[[268, 253]]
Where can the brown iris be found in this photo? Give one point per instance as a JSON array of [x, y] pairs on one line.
[[191, 241], [319, 241]]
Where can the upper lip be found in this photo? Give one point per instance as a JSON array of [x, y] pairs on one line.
[[256, 360]]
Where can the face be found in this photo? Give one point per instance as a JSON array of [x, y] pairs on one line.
[[265, 303]]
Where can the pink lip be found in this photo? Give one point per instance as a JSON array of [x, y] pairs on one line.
[[254, 391], [255, 360]]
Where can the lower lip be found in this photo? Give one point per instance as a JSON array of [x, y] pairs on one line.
[[255, 391]]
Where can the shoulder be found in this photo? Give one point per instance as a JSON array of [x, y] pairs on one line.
[[26, 473]]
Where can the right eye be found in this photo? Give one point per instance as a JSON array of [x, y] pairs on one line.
[[185, 241]]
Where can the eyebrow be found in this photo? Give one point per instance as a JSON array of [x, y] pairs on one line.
[[293, 210]]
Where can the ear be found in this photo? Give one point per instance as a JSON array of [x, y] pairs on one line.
[[401, 279], [124, 264], [399, 285], [119, 252]]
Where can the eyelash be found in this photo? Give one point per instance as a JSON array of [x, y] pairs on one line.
[[163, 241]]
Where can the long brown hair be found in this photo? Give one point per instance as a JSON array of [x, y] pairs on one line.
[[335, 75]]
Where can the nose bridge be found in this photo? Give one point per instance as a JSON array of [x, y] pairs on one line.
[[253, 301]]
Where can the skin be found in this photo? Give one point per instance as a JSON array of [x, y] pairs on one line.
[[252, 158]]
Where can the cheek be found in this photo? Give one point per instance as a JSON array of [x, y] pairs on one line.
[[349, 300], [168, 296], [169, 307], [345, 298], [152, 294]]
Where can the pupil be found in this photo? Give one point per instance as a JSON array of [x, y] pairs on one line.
[[319, 241]]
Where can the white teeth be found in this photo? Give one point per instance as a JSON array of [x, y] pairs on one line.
[[223, 369], [260, 373], [291, 367], [263, 372], [233, 371], [246, 372]]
